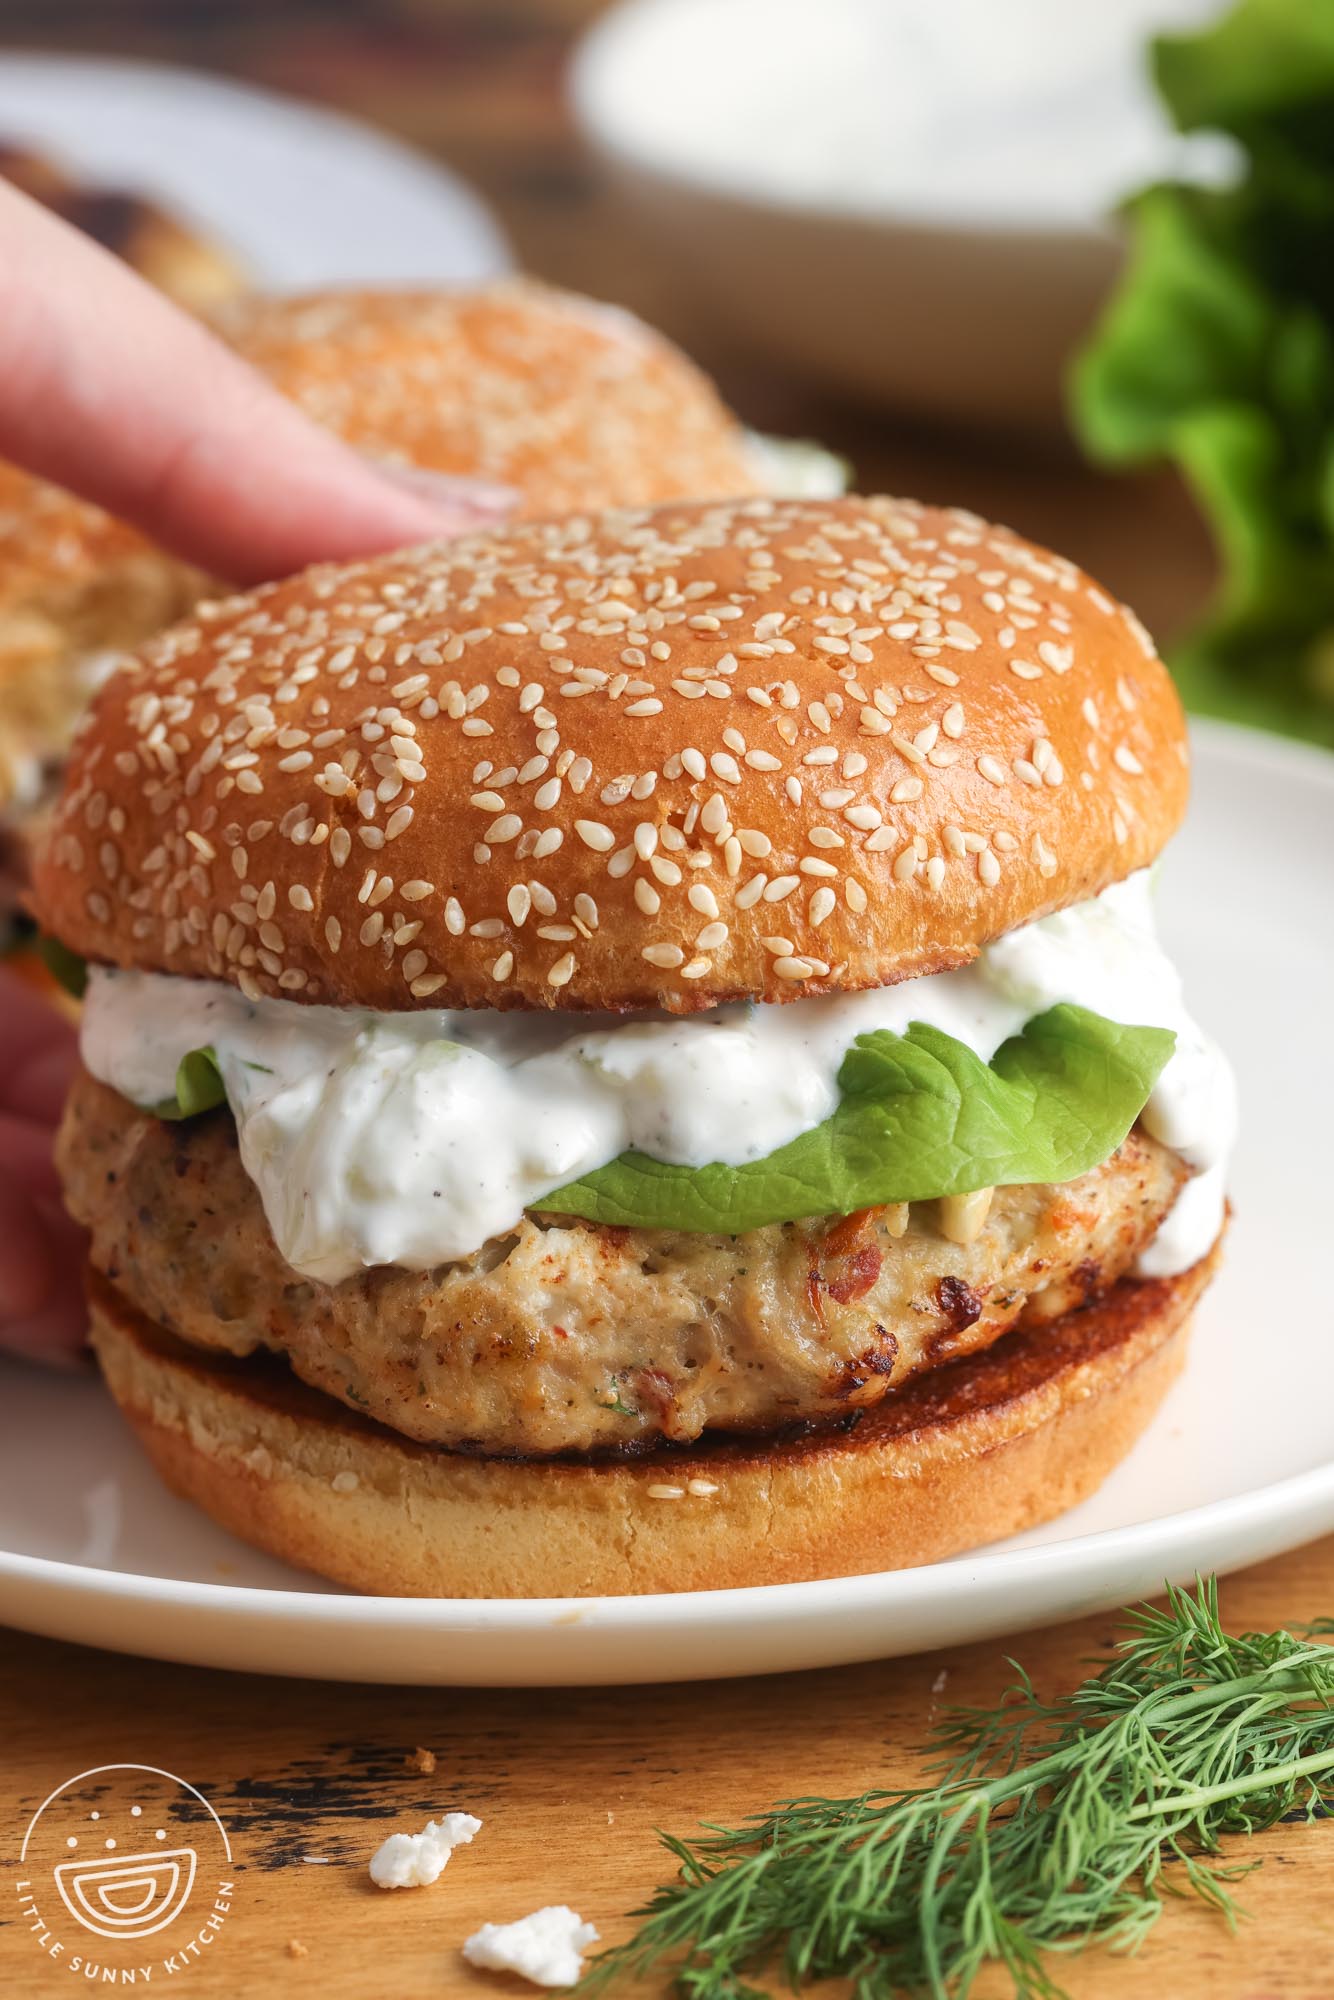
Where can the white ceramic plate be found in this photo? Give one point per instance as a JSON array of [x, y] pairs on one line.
[[302, 196], [1238, 1465]]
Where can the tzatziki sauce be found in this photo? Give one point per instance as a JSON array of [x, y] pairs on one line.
[[411, 1138]]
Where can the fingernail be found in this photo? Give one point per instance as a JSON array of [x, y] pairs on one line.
[[483, 497]]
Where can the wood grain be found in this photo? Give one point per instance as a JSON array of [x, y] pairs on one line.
[[570, 1786]]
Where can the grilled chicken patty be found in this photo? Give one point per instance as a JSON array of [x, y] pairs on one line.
[[566, 1336]]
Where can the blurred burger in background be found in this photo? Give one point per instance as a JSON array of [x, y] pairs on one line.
[[571, 404]]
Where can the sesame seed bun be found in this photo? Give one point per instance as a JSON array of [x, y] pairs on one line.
[[673, 757], [569, 403], [971, 1452]]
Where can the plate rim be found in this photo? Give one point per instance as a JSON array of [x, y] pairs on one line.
[[490, 250], [1092, 1555], [798, 1602]]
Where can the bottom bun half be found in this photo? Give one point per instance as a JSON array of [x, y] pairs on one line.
[[973, 1451]]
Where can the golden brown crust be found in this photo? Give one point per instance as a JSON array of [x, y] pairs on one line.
[[975, 1451], [670, 757], [573, 404]]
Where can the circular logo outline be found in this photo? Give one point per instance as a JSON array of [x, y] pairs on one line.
[[127, 1862]]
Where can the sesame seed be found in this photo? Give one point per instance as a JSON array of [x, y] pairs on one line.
[[667, 957], [658, 1491], [595, 835], [562, 972]]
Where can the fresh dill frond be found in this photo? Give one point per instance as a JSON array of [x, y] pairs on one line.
[[1045, 1827]]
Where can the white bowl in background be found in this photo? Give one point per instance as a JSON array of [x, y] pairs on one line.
[[905, 199]]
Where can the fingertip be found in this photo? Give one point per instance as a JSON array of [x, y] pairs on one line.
[[449, 498]]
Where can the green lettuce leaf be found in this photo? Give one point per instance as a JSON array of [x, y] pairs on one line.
[[65, 966], [1217, 352], [198, 1087], [921, 1116]]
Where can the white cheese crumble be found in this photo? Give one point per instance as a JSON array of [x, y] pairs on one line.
[[411, 1860], [547, 1947]]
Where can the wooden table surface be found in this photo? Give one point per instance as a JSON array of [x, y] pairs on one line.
[[571, 1784]]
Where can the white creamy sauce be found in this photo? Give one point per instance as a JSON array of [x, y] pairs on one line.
[[1030, 112], [411, 1138]]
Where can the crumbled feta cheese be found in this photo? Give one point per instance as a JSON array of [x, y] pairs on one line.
[[547, 1947], [410, 1860]]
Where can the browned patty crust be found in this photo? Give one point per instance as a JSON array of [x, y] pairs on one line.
[[565, 1336]]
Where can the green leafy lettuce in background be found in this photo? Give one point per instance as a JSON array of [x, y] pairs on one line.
[[1217, 351], [920, 1116]]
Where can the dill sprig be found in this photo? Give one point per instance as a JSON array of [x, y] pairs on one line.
[[1046, 1826]]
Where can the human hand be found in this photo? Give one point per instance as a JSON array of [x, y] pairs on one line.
[[41, 1250], [108, 389]]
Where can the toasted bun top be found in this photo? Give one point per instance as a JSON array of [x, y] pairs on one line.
[[743, 749], [572, 403]]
